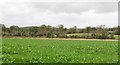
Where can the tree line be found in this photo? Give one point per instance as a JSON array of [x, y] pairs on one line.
[[47, 31]]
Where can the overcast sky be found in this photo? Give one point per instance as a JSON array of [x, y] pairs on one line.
[[80, 14]]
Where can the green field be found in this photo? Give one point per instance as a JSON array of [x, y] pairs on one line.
[[58, 51]]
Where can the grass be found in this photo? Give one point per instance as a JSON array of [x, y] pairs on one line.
[[58, 51]]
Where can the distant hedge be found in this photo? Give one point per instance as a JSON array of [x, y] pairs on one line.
[[99, 32]]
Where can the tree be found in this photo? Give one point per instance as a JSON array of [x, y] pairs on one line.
[[72, 30], [87, 29], [60, 31], [14, 30], [2, 29], [102, 32], [99, 32]]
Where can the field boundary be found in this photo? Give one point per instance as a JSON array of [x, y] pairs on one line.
[[60, 38]]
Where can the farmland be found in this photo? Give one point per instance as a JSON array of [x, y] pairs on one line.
[[27, 50]]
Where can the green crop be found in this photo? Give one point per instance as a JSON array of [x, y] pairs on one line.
[[58, 51]]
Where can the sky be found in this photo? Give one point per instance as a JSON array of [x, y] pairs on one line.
[[69, 14]]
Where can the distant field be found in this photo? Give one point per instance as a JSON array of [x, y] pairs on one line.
[[117, 36], [80, 34], [59, 51]]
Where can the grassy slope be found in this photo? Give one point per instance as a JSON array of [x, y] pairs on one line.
[[57, 51]]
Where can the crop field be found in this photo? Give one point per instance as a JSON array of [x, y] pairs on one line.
[[25, 50]]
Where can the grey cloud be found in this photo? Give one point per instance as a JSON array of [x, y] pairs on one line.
[[106, 7], [76, 7], [53, 13]]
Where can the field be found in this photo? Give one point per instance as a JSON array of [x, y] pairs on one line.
[[25, 50], [85, 34]]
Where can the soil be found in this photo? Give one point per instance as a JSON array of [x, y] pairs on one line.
[[61, 38]]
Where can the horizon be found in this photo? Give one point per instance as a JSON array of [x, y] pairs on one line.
[[55, 26]]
